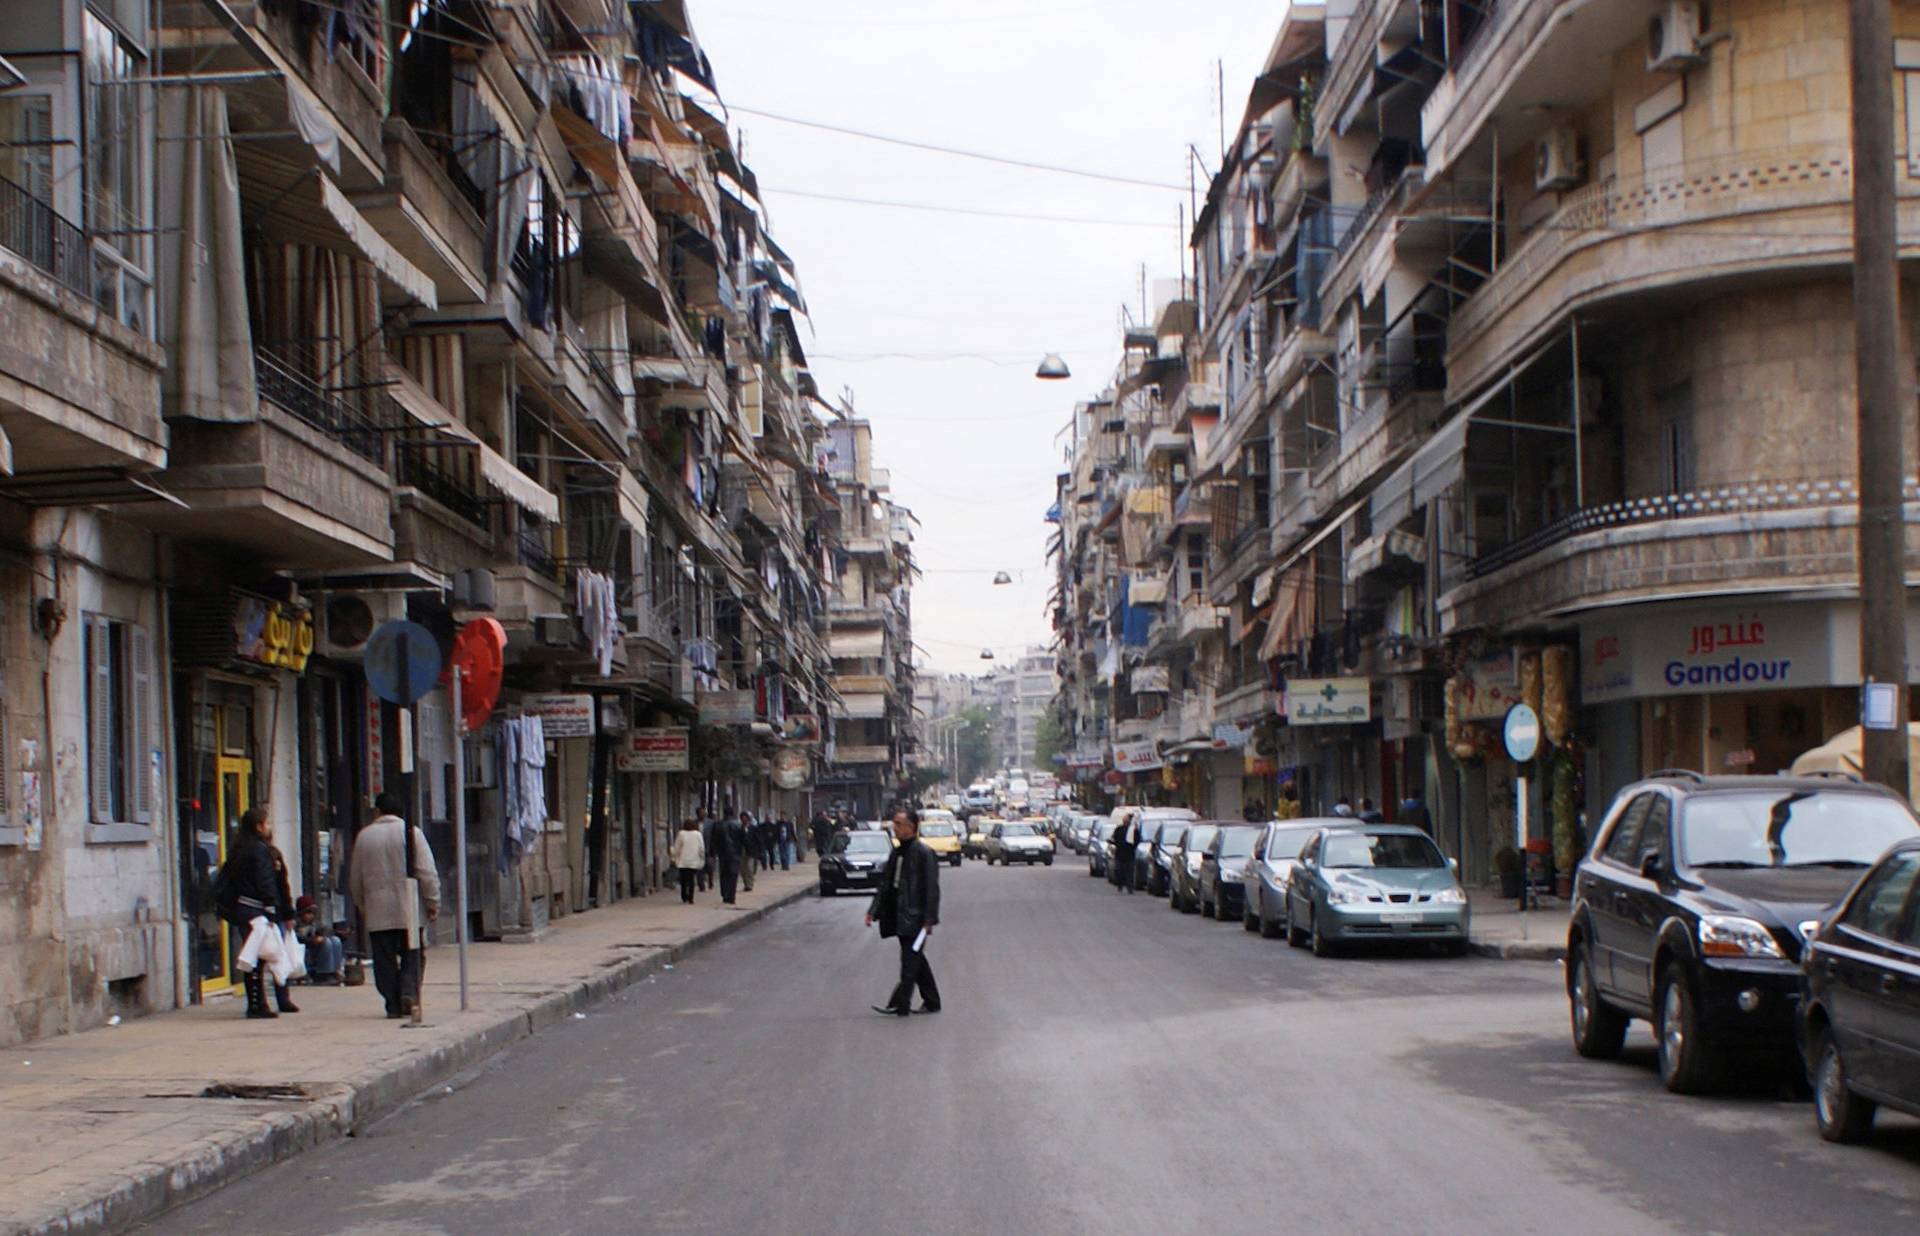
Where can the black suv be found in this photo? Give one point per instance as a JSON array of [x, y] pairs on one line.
[[1692, 907]]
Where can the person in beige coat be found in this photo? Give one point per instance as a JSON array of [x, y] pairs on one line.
[[378, 882], [689, 855]]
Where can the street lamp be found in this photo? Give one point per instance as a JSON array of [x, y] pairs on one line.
[[1052, 368], [986, 654], [1000, 578]]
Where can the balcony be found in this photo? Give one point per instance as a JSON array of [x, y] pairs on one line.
[[1735, 538], [874, 754], [78, 390], [428, 216]]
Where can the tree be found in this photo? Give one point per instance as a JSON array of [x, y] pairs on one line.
[[975, 742], [1049, 740], [920, 780]]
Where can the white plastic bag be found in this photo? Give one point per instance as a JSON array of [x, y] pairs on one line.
[[296, 954], [263, 944]]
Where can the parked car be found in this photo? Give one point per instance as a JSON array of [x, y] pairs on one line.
[[1690, 907], [1183, 888], [1860, 1012], [1097, 846], [1223, 868], [1074, 833], [854, 860], [941, 833], [1151, 818], [1274, 855], [1166, 839], [1374, 882], [1018, 841]]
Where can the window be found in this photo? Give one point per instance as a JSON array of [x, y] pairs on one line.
[[1877, 910], [1653, 830], [1623, 844], [1676, 438], [121, 755], [26, 143], [116, 161]]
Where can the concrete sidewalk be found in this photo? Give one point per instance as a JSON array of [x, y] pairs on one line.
[[102, 1129], [1501, 930]]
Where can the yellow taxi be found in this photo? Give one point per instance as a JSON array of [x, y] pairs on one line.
[[941, 833], [974, 840]]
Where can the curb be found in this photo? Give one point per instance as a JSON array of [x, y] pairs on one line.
[[1519, 950], [151, 1189]]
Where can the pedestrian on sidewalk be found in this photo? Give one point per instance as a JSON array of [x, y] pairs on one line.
[[1414, 812], [1344, 808], [689, 854], [706, 846], [253, 884], [1370, 814], [769, 842], [727, 844], [1120, 866], [822, 832], [750, 857], [326, 952], [907, 907], [386, 855], [783, 840], [1288, 805]]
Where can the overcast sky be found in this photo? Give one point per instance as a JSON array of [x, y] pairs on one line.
[[936, 321]]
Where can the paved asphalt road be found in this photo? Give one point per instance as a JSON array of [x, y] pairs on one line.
[[1103, 1065]]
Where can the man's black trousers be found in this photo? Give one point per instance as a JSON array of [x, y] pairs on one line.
[[396, 968], [914, 971]]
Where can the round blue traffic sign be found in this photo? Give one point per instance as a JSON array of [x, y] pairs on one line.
[[1522, 733], [402, 661]]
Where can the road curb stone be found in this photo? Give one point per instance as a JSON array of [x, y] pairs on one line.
[[1519, 950], [205, 1166]]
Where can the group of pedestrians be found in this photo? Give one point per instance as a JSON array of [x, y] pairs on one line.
[[729, 849]]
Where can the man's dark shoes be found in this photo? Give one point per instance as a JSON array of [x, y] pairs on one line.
[[884, 1011], [928, 1008]]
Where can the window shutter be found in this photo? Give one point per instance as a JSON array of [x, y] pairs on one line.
[[98, 632], [140, 729]]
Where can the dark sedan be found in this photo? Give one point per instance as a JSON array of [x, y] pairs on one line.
[[1860, 1015], [1223, 871], [1183, 890], [854, 860]]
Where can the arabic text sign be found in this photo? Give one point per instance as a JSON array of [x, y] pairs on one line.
[[1131, 757], [1329, 701], [655, 749], [1700, 650], [561, 716]]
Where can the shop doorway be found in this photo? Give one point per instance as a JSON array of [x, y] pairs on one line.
[[218, 941]]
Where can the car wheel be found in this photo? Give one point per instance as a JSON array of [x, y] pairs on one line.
[[1049, 860], [1322, 946], [826, 890], [1598, 1027], [1687, 1064], [1841, 1115], [1296, 935], [1206, 909]]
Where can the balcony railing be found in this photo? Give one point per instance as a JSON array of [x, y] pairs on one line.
[[36, 231], [281, 370], [535, 553], [416, 465], [1747, 497]]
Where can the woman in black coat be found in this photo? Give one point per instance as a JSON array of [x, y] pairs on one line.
[[253, 884]]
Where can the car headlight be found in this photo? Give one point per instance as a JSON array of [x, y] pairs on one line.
[[1729, 935], [1344, 896], [1450, 897]]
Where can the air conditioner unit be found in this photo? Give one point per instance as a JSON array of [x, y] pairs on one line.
[[1556, 161], [1673, 37], [348, 619], [553, 631]]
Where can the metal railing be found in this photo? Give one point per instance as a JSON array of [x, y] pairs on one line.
[[282, 372], [37, 232], [1743, 498], [535, 553], [415, 465]]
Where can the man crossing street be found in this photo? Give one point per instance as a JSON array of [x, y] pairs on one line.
[[907, 907]]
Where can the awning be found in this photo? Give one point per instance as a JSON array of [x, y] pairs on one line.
[[1293, 612], [516, 486], [1146, 589], [1434, 469], [863, 707], [663, 369], [374, 247], [857, 645]]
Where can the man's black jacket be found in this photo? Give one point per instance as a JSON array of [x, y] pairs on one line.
[[917, 903]]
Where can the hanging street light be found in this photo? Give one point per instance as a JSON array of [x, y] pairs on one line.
[[1052, 368], [1001, 577]]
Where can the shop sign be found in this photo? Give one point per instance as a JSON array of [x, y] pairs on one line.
[[1084, 758], [1252, 765], [272, 633], [654, 749], [727, 707], [1329, 701], [790, 768], [1132, 757], [801, 728], [561, 716], [1698, 651], [1231, 735], [1745, 758], [1149, 679], [1489, 686]]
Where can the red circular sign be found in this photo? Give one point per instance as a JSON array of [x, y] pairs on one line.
[[480, 650]]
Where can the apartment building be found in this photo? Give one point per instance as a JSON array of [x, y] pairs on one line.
[[321, 318], [1035, 686], [1533, 352]]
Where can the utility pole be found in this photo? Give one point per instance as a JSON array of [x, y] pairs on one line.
[[1882, 408]]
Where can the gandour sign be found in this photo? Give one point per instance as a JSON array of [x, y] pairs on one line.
[[1695, 650]]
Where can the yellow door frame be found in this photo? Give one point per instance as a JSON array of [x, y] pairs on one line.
[[241, 768]]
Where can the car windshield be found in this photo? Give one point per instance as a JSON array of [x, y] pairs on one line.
[[1170, 835], [1804, 828], [1286, 843], [1016, 830], [1200, 834], [1101, 828], [1238, 842], [1364, 849], [862, 844], [936, 828]]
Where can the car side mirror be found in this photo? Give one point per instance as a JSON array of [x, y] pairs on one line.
[[1652, 864]]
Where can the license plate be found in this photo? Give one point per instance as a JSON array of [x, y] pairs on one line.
[[1402, 917]]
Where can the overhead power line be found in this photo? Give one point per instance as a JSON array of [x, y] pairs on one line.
[[912, 144], [966, 210]]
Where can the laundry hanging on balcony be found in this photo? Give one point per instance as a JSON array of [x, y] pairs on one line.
[[204, 323], [595, 602], [522, 751]]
